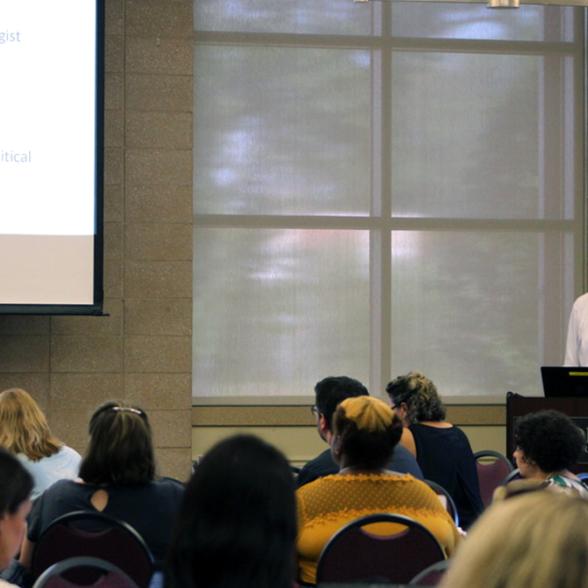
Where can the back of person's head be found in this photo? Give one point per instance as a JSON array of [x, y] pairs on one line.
[[329, 392], [237, 524], [16, 484], [366, 431], [120, 451], [420, 396], [550, 439], [536, 539], [23, 426]]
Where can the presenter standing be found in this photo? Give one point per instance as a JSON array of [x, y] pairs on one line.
[[577, 341]]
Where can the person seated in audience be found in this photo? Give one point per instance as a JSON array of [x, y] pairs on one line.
[[237, 523], [24, 431], [16, 485], [536, 539], [548, 444], [329, 392], [365, 431], [117, 477], [441, 449]]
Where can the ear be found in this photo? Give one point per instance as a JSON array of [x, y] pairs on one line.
[[336, 447], [322, 425]]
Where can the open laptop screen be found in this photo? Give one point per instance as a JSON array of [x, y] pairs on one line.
[[564, 382]]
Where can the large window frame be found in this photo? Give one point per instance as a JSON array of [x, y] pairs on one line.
[[380, 223]]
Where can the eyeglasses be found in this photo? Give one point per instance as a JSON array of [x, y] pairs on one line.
[[314, 410]]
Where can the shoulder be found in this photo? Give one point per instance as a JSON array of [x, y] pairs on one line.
[[321, 465], [63, 487], [168, 486], [69, 452], [580, 304]]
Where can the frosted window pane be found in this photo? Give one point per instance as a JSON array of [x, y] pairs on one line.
[[282, 130], [283, 16], [277, 310], [479, 312], [467, 21], [476, 150]]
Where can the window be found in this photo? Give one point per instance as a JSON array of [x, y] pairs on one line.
[[382, 187]]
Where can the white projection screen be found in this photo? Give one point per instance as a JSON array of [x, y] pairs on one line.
[[51, 156]]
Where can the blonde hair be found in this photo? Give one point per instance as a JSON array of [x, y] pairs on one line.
[[368, 413], [536, 539], [366, 431], [23, 426]]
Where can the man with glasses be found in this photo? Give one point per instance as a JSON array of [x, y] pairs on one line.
[[329, 392]]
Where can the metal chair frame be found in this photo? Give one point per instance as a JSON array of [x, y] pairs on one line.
[[81, 562], [451, 507]]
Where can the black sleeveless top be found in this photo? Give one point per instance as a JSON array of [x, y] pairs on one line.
[[446, 457]]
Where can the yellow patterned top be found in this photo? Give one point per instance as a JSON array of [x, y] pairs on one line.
[[329, 503]]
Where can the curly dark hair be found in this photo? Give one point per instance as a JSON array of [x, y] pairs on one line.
[[420, 396], [550, 439]]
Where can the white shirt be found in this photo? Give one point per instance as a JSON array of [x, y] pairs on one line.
[[63, 465], [577, 341]]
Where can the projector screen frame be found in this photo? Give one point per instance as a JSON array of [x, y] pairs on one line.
[[96, 307]]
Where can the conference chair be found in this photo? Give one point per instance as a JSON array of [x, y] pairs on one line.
[[432, 575], [98, 574], [357, 554], [445, 499], [97, 535], [493, 468]]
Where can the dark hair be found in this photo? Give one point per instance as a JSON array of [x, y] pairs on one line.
[[420, 396], [550, 439], [237, 523], [16, 484], [329, 392], [366, 447], [120, 451]]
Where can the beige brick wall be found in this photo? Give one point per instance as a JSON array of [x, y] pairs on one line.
[[142, 351]]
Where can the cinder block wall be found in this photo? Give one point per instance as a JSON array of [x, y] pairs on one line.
[[141, 353]]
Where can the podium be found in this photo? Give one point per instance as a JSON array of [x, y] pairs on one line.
[[576, 408]]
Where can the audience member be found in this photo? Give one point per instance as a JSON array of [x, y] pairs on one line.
[[117, 478], [329, 392], [365, 431], [16, 485], [24, 431], [548, 444], [441, 449], [533, 539], [237, 524]]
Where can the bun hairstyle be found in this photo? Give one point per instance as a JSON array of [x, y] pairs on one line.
[[366, 432], [420, 396]]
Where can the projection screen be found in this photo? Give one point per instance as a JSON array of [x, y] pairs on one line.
[[51, 163]]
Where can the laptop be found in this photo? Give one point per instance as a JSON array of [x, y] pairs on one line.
[[564, 382]]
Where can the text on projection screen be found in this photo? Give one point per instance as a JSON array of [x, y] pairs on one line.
[[47, 151]]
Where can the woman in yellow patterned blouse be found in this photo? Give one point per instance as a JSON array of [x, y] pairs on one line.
[[365, 433]]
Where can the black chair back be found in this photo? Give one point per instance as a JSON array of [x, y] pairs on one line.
[[354, 554], [96, 535]]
